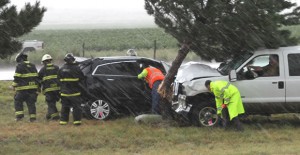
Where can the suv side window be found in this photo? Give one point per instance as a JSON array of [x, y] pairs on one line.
[[294, 64], [119, 68], [130, 68], [106, 69]]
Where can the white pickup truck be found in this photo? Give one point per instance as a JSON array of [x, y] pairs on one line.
[[261, 94], [32, 45]]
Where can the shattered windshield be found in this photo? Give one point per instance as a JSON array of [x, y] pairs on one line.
[[234, 63]]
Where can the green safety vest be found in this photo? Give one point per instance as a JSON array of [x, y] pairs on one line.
[[228, 94]]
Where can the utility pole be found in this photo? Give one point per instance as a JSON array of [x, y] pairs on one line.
[[83, 49]]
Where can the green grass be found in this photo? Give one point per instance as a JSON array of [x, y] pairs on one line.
[[102, 42], [63, 41], [123, 136], [109, 42]]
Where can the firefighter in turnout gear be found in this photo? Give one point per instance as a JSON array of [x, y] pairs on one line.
[[25, 84], [153, 77], [228, 102], [50, 86], [70, 77]]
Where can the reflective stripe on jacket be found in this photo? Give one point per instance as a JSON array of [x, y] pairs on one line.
[[228, 94], [25, 77], [48, 78], [153, 75], [70, 77]]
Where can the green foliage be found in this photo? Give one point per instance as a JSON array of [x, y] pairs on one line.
[[14, 24], [221, 29]]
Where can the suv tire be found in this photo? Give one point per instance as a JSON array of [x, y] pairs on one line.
[[98, 109]]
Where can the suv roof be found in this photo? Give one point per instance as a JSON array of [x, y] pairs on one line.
[[116, 58], [83, 60]]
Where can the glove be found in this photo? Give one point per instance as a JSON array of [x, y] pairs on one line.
[[224, 106]]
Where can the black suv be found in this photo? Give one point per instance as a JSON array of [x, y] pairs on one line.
[[112, 86]]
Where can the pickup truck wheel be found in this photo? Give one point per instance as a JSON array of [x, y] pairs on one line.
[[204, 116], [208, 116], [98, 109]]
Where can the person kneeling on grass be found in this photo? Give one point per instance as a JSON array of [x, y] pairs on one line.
[[228, 102]]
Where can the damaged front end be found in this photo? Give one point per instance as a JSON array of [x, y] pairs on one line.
[[179, 100], [188, 83]]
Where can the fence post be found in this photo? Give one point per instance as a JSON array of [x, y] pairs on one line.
[[83, 49], [154, 52]]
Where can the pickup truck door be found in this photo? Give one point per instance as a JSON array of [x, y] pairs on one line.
[[263, 94], [292, 74]]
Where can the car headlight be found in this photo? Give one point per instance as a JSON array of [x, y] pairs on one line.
[[175, 88]]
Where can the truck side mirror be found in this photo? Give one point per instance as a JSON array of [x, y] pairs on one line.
[[232, 76]]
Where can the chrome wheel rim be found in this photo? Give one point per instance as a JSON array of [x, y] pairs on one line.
[[100, 109], [208, 116]]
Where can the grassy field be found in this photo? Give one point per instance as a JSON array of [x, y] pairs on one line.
[[277, 135], [109, 42], [103, 42], [106, 42]]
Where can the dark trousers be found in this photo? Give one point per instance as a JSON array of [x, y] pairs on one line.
[[226, 120], [51, 98], [68, 103], [155, 98], [28, 96]]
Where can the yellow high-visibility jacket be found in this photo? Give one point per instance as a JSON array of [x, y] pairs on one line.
[[228, 94]]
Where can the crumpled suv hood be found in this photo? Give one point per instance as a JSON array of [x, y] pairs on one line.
[[194, 70]]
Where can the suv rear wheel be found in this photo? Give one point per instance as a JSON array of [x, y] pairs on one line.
[[99, 109]]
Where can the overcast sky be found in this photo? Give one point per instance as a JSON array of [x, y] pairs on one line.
[[92, 13]]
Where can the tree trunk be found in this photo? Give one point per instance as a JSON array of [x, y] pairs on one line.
[[165, 89]]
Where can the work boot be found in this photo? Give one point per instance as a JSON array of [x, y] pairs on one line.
[[18, 119], [63, 122], [77, 123], [238, 124], [32, 119]]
